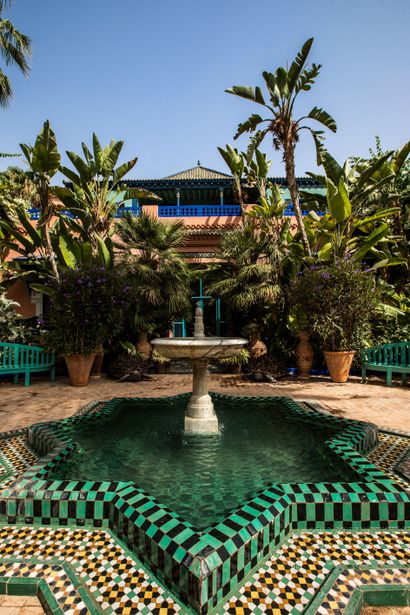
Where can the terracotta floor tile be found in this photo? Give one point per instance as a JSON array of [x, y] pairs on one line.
[[385, 406]]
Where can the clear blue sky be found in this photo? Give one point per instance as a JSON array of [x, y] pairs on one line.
[[153, 73]]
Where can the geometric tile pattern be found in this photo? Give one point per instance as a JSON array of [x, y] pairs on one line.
[[204, 566], [350, 580], [388, 453], [15, 457], [289, 580], [87, 571]]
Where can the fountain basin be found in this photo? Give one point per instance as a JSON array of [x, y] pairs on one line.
[[200, 417], [199, 348], [202, 565]]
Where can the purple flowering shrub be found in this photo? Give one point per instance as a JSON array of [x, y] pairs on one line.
[[86, 308], [336, 303]]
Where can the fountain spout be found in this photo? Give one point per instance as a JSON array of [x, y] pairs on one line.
[[199, 331]]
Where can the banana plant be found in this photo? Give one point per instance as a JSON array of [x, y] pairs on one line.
[[94, 192], [283, 88], [236, 163], [396, 192], [257, 170], [344, 230], [21, 236], [14, 193], [43, 159]]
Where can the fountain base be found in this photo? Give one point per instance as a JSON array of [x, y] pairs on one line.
[[200, 417]]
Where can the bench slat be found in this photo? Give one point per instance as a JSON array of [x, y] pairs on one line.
[[23, 359], [390, 358]]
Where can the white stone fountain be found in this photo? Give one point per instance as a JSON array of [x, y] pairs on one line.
[[200, 417]]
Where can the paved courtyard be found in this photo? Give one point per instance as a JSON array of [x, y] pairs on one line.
[[80, 566], [385, 406]]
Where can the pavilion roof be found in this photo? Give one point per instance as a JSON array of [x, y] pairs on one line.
[[202, 185], [198, 172]]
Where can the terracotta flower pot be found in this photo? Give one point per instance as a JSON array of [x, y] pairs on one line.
[[304, 355], [98, 362], [79, 368], [143, 346], [339, 364]]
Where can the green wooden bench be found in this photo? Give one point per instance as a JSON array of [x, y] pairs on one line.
[[389, 358], [21, 359]]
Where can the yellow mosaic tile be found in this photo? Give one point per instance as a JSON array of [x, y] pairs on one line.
[[294, 574]]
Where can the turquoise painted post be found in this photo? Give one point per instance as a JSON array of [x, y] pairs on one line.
[[201, 301], [201, 297], [218, 316], [182, 324]]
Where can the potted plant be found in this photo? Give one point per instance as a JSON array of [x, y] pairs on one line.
[[257, 347], [337, 301], [85, 307]]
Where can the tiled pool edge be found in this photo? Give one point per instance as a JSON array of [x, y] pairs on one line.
[[202, 566]]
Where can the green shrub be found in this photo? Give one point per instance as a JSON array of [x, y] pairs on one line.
[[85, 309], [336, 303], [12, 327]]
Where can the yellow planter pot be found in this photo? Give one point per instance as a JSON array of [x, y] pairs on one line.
[[339, 364]]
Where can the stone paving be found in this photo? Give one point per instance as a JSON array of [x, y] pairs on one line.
[[20, 605], [385, 406]]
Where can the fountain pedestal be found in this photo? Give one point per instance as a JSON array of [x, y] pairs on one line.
[[200, 417]]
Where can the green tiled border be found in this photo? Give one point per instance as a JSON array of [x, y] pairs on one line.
[[203, 566]]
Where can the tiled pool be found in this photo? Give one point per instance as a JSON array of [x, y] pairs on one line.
[[202, 477]]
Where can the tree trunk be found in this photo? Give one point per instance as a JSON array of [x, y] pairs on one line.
[[289, 159], [45, 219], [50, 252], [239, 193]]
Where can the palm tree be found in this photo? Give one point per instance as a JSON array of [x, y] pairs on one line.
[[161, 276], [248, 277], [15, 49], [283, 88]]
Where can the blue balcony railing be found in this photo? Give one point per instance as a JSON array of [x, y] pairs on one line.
[[178, 211], [289, 211], [135, 210], [189, 211]]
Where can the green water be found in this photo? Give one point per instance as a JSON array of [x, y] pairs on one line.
[[201, 477]]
